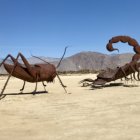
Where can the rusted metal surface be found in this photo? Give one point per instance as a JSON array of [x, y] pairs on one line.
[[125, 39], [44, 72], [115, 74], [130, 68]]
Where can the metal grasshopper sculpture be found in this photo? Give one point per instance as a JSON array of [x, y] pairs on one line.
[[31, 73], [120, 72]]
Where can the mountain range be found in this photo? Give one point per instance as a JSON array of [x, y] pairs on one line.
[[84, 61]]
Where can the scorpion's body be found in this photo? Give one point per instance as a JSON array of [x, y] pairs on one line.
[[119, 72], [115, 74]]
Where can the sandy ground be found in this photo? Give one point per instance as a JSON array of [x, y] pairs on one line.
[[111, 113]]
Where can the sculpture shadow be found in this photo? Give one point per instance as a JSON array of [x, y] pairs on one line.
[[113, 85], [25, 93]]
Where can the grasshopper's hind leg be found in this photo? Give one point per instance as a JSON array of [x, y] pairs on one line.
[[23, 87]]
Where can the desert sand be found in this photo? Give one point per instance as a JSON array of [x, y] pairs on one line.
[[110, 113]]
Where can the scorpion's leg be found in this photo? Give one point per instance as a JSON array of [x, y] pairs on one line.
[[134, 70], [87, 80], [124, 73], [138, 75], [137, 69], [131, 77]]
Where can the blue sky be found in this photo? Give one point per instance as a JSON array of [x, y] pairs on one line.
[[45, 27]]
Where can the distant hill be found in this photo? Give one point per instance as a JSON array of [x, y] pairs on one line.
[[94, 61], [85, 61], [33, 60]]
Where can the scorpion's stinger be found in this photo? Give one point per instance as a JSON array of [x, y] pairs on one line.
[[110, 48]]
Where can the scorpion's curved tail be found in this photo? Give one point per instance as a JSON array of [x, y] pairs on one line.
[[124, 39]]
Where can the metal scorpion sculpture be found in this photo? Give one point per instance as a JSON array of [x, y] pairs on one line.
[[31, 73], [120, 72]]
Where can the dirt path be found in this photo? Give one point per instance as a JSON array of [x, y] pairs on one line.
[[111, 113]]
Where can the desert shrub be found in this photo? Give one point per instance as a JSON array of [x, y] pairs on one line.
[[85, 71]]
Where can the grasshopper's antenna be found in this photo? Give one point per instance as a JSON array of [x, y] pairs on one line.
[[62, 57]]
